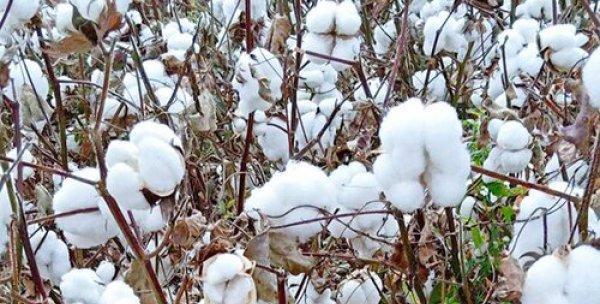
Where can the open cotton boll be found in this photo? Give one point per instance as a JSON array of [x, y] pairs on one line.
[[125, 185], [511, 42], [384, 36], [544, 281], [591, 78], [361, 189], [529, 60], [467, 208], [403, 126], [407, 196], [157, 73], [513, 136], [178, 44], [446, 190], [347, 20], [181, 101], [568, 58], [81, 286], [432, 25], [321, 18], [228, 270], [558, 37], [384, 171], [134, 89], [121, 151], [150, 220], [150, 129], [274, 141], [106, 271], [351, 293], [344, 173], [22, 11], [436, 86], [64, 17], [361, 290], [442, 130], [346, 49], [493, 128], [118, 292], [318, 43], [51, 254], [26, 157], [267, 65], [582, 275], [27, 73], [90, 9], [122, 6], [576, 172], [528, 28], [161, 167], [113, 108], [515, 161]]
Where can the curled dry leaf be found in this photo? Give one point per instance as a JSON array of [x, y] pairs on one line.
[[511, 282]]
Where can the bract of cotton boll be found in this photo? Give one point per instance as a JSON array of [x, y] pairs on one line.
[[321, 18], [125, 185], [118, 292], [90, 9], [81, 286], [544, 281], [161, 167], [347, 20], [515, 161], [121, 151], [407, 196], [51, 255], [74, 195], [591, 78], [229, 270], [26, 156], [513, 136]]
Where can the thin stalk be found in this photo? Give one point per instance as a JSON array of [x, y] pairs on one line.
[[456, 265], [410, 257], [589, 190]]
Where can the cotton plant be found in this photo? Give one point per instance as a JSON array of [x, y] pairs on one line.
[[298, 193], [564, 46], [591, 77], [358, 191], [226, 280], [150, 160], [258, 79], [333, 31], [87, 286], [544, 222], [511, 153], [417, 142], [363, 288], [566, 278]]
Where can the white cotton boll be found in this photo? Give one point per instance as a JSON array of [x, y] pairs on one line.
[[150, 220], [311, 78], [467, 208], [432, 25], [64, 17], [150, 129], [81, 286], [122, 6], [27, 73], [161, 167], [407, 196], [344, 173], [403, 126], [347, 49], [318, 43], [224, 267], [558, 37], [582, 276], [26, 157], [125, 185], [90, 9], [347, 20], [515, 161], [442, 128], [51, 254], [327, 106], [360, 190], [513, 136], [493, 128], [591, 78], [267, 65], [106, 271], [181, 101], [446, 190], [568, 58], [156, 73], [384, 36], [351, 292], [436, 85], [274, 142], [121, 151], [545, 281], [112, 108], [384, 171], [529, 60], [321, 18], [511, 42], [178, 44], [528, 28], [22, 11], [118, 292], [134, 89]]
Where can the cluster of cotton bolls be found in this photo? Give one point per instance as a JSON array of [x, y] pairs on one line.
[[332, 31], [320, 118], [226, 279], [51, 253], [591, 78], [569, 279], [545, 222], [151, 160], [96, 287], [258, 78], [358, 191], [364, 288], [511, 153], [564, 45], [422, 144], [300, 192], [444, 32]]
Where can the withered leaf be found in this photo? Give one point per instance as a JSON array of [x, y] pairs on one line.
[[511, 282], [258, 250], [286, 254], [76, 43]]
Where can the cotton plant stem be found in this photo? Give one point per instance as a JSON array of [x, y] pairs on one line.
[[410, 257], [589, 189], [456, 264], [400, 46]]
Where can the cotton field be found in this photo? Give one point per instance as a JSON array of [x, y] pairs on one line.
[[301, 151]]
